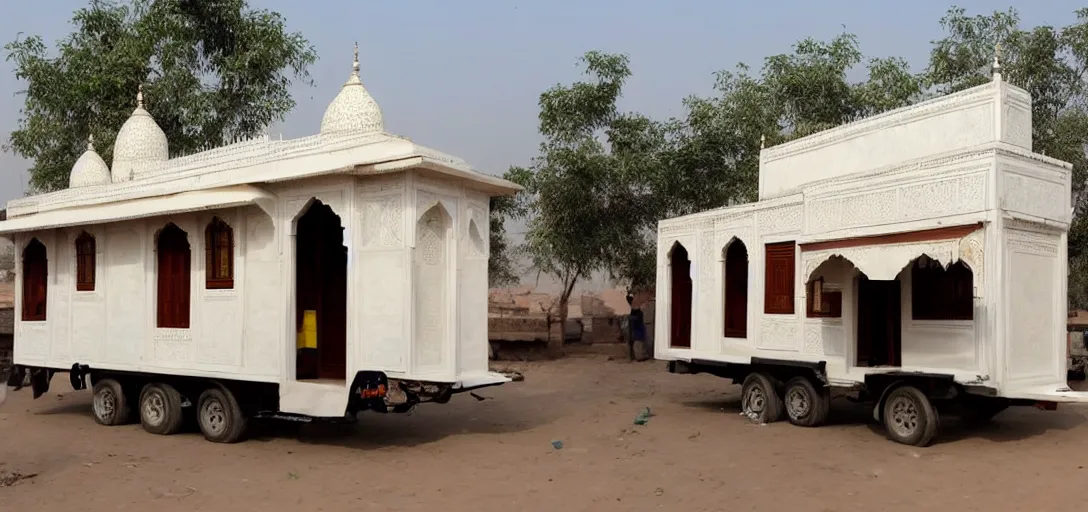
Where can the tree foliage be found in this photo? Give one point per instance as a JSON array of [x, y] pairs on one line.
[[605, 178], [502, 267], [212, 71], [579, 193], [1050, 63]]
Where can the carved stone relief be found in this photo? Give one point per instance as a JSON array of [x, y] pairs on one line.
[[1032, 242], [477, 245], [972, 252], [814, 343], [1035, 196], [885, 262], [962, 194], [172, 345], [381, 184], [1018, 126], [781, 219], [334, 199], [431, 283], [778, 333], [479, 226], [383, 221], [706, 262]]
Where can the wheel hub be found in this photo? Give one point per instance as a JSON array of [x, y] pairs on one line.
[[797, 403], [213, 416], [755, 402], [104, 403], [904, 416], [154, 408]]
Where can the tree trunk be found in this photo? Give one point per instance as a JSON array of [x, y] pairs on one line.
[[557, 334]]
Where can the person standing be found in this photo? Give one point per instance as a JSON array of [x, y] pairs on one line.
[[636, 329]]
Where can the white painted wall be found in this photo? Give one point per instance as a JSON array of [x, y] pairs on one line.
[[249, 332], [993, 112], [955, 161]]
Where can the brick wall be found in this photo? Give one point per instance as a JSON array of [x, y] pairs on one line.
[[7, 324], [7, 320]]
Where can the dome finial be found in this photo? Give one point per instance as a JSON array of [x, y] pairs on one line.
[[353, 110], [762, 142], [90, 142], [997, 62], [140, 95], [355, 61]]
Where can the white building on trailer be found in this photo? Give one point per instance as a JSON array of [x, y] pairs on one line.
[[307, 278], [916, 258]]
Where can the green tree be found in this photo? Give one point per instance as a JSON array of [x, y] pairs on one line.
[[502, 268], [582, 193], [212, 71], [1050, 63], [796, 94]]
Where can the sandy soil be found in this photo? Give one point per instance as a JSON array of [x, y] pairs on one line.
[[696, 453]]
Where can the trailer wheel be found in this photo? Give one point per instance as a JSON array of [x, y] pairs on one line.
[[160, 409], [759, 399], [220, 417], [108, 404], [805, 404], [909, 417]]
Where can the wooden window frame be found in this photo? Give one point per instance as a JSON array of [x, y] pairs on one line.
[[829, 303], [173, 289], [779, 260], [942, 294], [86, 248], [218, 244], [35, 280]]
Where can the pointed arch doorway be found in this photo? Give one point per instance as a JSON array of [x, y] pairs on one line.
[[321, 270]]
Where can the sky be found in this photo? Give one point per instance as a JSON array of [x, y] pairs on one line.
[[464, 77]]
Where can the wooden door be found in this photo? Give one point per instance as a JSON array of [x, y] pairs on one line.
[[879, 323], [332, 355], [736, 291]]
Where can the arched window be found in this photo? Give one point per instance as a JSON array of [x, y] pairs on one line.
[[941, 294], [35, 281], [85, 262], [174, 274], [218, 255], [736, 290], [680, 297]]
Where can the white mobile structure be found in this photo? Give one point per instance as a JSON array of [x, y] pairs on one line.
[[916, 259], [192, 280]]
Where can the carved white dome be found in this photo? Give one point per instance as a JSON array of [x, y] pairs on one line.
[[140, 142], [354, 109], [90, 169]]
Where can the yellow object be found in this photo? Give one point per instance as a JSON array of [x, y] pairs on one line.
[[307, 335]]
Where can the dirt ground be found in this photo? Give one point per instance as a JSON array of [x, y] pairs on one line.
[[695, 453]]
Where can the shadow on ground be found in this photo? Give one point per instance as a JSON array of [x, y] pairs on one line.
[[1015, 424]]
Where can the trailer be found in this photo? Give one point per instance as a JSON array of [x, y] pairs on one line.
[[306, 279], [914, 260]]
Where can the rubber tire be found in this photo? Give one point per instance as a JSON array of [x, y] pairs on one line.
[[235, 419], [171, 423], [773, 408], [121, 411], [818, 398], [929, 421]]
